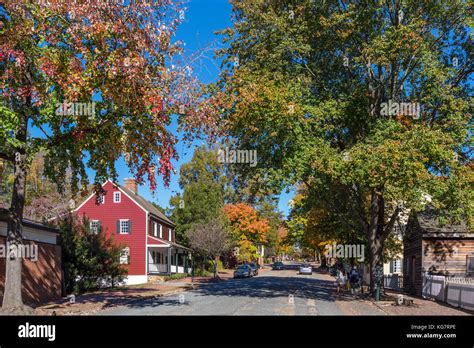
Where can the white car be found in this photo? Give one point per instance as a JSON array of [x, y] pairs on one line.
[[306, 269]]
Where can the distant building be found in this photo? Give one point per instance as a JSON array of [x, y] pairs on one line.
[[435, 249]]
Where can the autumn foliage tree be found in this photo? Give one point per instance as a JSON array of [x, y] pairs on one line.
[[119, 55], [307, 85], [248, 229]]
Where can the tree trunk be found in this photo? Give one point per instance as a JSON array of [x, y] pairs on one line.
[[377, 234], [12, 297], [323, 261], [214, 265], [376, 260]]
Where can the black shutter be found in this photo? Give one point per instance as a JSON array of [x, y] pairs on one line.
[[99, 225], [118, 226], [129, 226]]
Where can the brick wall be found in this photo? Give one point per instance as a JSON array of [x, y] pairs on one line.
[[41, 279]]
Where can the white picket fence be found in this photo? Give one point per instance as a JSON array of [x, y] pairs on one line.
[[457, 291], [393, 281]]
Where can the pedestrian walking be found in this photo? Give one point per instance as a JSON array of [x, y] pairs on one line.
[[341, 279]]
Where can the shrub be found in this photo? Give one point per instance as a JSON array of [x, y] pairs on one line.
[[90, 260], [176, 276]]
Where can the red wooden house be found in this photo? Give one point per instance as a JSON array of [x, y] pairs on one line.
[[148, 235]]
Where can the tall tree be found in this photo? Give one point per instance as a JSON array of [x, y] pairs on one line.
[[268, 209], [317, 89], [204, 186], [248, 229], [57, 58], [211, 239]]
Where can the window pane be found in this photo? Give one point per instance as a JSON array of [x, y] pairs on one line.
[[94, 225], [124, 226]]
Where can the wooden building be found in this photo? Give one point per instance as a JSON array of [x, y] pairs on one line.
[[148, 236], [41, 271], [432, 248]]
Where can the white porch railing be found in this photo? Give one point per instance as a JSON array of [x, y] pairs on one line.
[[180, 269], [163, 268], [157, 268]]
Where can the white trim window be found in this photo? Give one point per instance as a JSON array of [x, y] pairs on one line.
[[124, 226], [396, 266], [125, 256], [94, 226], [155, 229], [170, 232], [117, 197]]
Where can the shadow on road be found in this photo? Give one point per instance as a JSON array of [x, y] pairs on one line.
[[260, 287]]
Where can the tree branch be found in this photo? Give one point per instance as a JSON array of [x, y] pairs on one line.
[[89, 130], [390, 224], [360, 207]]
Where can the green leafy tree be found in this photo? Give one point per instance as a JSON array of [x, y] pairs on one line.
[[86, 82], [90, 260], [204, 189], [268, 210], [317, 91]]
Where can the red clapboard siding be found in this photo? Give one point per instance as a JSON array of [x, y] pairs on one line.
[[108, 214], [166, 229]]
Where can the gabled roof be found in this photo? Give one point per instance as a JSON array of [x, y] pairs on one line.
[[152, 240], [139, 200], [37, 225], [431, 227], [148, 206]]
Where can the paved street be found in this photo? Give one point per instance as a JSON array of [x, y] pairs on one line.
[[270, 293]]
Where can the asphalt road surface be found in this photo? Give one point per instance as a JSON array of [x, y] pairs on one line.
[[281, 292]]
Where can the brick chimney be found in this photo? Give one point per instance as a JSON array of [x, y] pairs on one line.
[[131, 184]]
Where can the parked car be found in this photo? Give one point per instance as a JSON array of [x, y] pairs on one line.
[[306, 269], [278, 266], [243, 271], [254, 268]]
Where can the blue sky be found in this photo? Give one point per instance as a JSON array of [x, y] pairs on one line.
[[202, 19]]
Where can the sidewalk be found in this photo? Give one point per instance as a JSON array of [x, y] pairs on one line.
[[90, 303], [362, 304], [93, 302], [349, 304], [420, 307]]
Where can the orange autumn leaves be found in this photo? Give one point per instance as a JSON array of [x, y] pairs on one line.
[[245, 221], [247, 228]]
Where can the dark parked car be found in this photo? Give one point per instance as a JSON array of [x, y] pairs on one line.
[[254, 268], [243, 271], [278, 265]]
